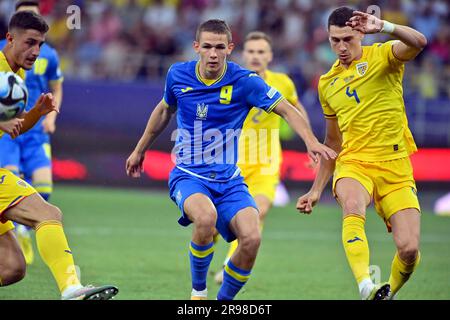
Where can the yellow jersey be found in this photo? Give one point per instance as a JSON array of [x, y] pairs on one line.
[[367, 100], [5, 67], [259, 143]]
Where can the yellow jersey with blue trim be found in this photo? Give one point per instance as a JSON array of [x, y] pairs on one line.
[[367, 100]]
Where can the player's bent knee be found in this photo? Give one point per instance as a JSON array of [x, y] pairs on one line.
[[408, 253], [250, 243], [13, 273], [206, 221], [353, 206], [52, 213]]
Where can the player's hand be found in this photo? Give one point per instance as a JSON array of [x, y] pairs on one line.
[[316, 149], [134, 165], [12, 127], [49, 124], [46, 104], [365, 23], [306, 202]]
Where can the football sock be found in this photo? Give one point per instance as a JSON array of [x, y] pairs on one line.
[[55, 252], [234, 279], [401, 272], [200, 257], [356, 246]]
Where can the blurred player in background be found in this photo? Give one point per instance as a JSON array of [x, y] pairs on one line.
[[20, 202], [30, 154], [362, 100], [212, 97], [260, 162]]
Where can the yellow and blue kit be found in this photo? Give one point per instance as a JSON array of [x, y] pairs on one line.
[[367, 101]]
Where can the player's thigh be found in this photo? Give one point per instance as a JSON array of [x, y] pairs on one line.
[[42, 175], [352, 195], [245, 224], [32, 210], [200, 209], [406, 229]]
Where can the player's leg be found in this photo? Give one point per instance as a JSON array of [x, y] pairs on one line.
[[354, 199], [200, 210], [12, 263], [46, 219], [406, 233], [245, 225]]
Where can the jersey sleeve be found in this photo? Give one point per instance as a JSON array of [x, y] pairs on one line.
[[387, 54], [328, 112], [259, 94], [291, 95], [54, 71], [169, 97]]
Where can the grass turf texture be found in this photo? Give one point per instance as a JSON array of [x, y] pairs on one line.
[[131, 239]]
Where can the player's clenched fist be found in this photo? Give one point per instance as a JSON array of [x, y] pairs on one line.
[[306, 202], [134, 165]]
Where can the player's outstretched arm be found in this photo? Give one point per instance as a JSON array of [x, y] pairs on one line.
[[49, 123], [300, 125], [43, 106], [158, 121], [411, 43], [333, 139]]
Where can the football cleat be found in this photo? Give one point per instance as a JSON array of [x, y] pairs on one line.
[[92, 293], [380, 292]]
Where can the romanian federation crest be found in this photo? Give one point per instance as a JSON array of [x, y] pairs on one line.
[[361, 68]]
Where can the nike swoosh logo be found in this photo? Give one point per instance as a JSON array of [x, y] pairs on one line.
[[354, 239], [2, 179]]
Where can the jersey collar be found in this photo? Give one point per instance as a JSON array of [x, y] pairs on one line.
[[337, 64], [209, 82]]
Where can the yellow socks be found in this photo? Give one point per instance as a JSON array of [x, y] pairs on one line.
[[400, 272], [356, 246], [54, 250]]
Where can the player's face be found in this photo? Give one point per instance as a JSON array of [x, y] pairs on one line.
[[346, 43], [213, 50], [257, 55], [26, 46]]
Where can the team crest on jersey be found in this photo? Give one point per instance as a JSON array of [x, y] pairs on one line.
[[202, 111], [361, 68]]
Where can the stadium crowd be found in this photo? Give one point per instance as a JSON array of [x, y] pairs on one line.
[[139, 39]]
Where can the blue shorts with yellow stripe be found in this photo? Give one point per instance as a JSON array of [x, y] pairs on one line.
[[28, 152], [228, 198], [12, 191]]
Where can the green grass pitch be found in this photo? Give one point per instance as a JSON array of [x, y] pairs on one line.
[[132, 239]]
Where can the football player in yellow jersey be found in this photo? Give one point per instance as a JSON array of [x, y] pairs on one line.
[[19, 201], [259, 145], [362, 100]]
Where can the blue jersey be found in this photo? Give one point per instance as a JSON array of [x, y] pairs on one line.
[[45, 69], [210, 116]]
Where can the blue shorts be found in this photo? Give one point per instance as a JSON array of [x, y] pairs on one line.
[[28, 152], [228, 197]]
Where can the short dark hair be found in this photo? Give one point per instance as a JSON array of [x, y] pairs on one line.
[[258, 35], [25, 20], [215, 26], [340, 16], [27, 3]]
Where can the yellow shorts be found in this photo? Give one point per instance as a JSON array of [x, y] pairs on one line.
[[12, 191], [259, 183], [390, 184]]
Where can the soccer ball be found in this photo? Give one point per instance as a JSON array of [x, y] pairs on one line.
[[13, 95]]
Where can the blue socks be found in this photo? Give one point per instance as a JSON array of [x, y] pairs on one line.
[[234, 279], [200, 257]]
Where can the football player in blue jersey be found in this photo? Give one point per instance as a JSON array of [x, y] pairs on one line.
[[30, 154], [212, 98]]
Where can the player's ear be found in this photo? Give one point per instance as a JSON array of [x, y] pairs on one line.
[[196, 46], [9, 37], [230, 47]]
